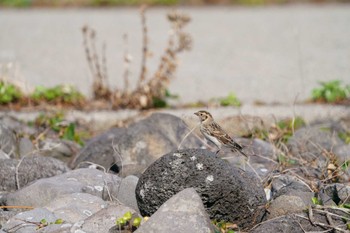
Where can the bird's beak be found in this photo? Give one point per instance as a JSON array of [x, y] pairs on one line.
[[196, 113]]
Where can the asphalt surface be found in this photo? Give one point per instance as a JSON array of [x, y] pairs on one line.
[[270, 54]]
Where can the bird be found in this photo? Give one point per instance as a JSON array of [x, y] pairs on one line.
[[213, 132]]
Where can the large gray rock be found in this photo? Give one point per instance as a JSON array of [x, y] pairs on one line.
[[84, 180], [184, 212], [133, 149], [101, 150], [228, 193], [30, 169], [75, 207], [8, 142], [149, 139]]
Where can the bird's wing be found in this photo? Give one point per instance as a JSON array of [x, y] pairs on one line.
[[221, 135]]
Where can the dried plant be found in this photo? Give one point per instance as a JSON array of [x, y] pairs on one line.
[[148, 89], [97, 66]]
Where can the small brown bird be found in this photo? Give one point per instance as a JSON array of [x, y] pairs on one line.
[[213, 132]]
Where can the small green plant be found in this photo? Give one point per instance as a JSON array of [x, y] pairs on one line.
[[224, 227], [51, 120], [55, 121], [9, 93], [316, 201], [58, 94], [163, 102], [287, 127], [128, 222], [44, 223], [285, 161], [15, 3], [230, 100], [331, 92], [345, 136]]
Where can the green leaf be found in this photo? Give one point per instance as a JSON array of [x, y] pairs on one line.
[[136, 222], [120, 222], [315, 201], [43, 221], [69, 132], [59, 221], [127, 216], [230, 100], [159, 103]]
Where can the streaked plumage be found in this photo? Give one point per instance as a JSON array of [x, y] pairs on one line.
[[217, 135]]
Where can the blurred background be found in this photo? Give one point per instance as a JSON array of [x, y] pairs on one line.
[[258, 51]]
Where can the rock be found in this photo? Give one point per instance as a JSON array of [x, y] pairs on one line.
[[74, 207], [84, 180], [283, 224], [105, 219], [26, 147], [101, 150], [30, 169], [8, 142], [310, 142], [18, 126], [135, 148], [149, 139], [287, 185], [126, 194], [184, 212], [342, 152], [285, 204], [338, 193], [60, 149], [228, 193], [56, 228], [27, 222], [6, 215], [320, 221]]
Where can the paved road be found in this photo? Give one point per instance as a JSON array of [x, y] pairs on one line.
[[273, 54]]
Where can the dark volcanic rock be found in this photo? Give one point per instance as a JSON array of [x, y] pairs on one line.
[[30, 169], [184, 212], [228, 193]]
